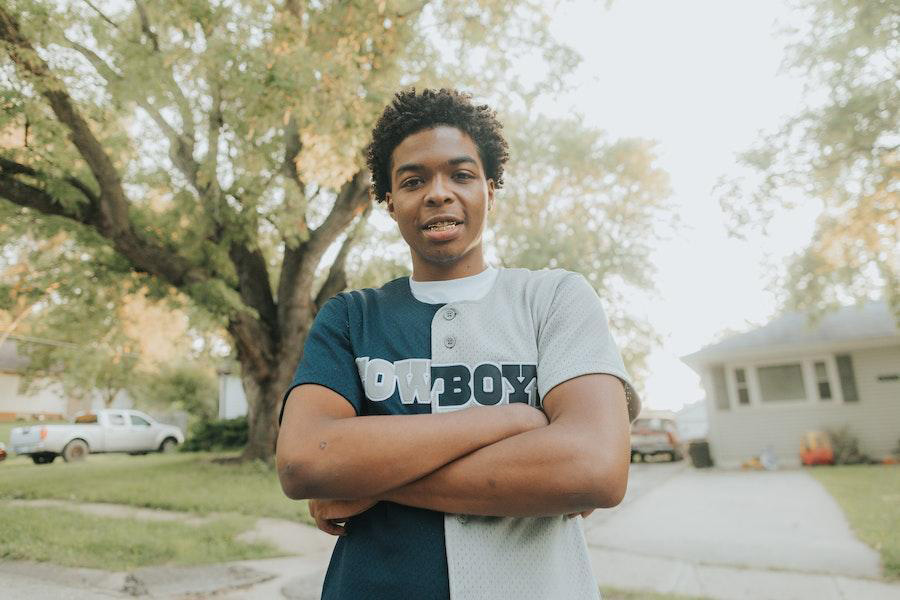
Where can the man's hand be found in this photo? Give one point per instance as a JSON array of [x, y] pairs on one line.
[[584, 514], [331, 515]]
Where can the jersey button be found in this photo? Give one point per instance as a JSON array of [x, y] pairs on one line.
[[449, 314], [449, 341], [462, 519]]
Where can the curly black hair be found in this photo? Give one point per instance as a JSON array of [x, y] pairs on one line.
[[411, 113]]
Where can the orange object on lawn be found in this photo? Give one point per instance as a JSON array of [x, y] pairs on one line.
[[817, 449]]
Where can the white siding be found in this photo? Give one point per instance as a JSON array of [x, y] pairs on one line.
[[45, 398], [232, 402], [737, 435]]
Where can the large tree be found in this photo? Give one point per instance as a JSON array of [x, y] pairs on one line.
[[214, 147], [841, 149]]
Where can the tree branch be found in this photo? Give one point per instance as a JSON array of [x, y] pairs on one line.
[[180, 146], [8, 167], [352, 199], [295, 302], [292, 147], [109, 213], [145, 26], [113, 206], [254, 285], [216, 121], [100, 12], [30, 196], [337, 275], [184, 108]]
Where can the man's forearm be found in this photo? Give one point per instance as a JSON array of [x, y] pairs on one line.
[[361, 457], [541, 472]]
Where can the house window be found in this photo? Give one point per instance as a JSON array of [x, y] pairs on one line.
[[822, 382], [781, 383], [848, 381], [743, 392]]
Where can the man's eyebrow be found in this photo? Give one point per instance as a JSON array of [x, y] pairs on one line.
[[408, 167], [415, 167], [462, 159]]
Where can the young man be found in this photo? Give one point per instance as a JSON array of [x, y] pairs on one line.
[[449, 424]]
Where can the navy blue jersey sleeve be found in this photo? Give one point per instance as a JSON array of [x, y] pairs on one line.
[[328, 359]]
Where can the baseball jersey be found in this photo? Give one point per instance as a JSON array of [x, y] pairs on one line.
[[388, 353]]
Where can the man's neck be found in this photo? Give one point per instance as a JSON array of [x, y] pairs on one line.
[[427, 271]]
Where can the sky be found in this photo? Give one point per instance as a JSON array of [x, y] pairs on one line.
[[702, 79]]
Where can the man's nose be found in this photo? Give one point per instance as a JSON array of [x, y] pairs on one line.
[[438, 192]]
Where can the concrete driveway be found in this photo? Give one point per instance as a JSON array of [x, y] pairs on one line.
[[781, 520]]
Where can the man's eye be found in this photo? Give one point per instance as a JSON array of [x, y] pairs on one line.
[[464, 175], [411, 182]]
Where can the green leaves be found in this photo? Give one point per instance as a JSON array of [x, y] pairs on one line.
[[841, 150]]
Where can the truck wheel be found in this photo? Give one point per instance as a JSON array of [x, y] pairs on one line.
[[44, 458], [168, 446], [75, 450], [636, 457]]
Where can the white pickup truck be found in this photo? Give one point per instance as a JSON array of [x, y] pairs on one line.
[[104, 431]]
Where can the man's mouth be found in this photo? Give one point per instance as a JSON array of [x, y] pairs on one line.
[[442, 225]]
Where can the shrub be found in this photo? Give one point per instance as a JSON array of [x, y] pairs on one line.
[[846, 447], [219, 434]]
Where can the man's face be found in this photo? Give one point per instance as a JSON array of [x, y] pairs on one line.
[[440, 198]]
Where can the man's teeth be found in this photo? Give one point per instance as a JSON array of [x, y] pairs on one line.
[[442, 226]]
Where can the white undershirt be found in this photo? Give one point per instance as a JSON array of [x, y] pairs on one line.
[[473, 287]]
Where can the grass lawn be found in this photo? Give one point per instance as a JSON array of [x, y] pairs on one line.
[[73, 539], [870, 497], [188, 482]]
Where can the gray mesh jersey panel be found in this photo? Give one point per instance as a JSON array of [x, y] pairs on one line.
[[552, 319]]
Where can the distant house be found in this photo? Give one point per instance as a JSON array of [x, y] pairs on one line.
[[769, 386], [46, 399], [232, 401], [692, 421]]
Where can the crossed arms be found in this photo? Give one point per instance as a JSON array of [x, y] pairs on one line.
[[508, 460]]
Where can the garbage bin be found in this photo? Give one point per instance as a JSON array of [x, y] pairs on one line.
[[699, 453]]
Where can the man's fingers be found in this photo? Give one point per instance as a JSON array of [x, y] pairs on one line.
[[331, 526]]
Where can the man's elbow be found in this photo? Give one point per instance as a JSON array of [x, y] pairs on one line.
[[298, 478], [608, 485]]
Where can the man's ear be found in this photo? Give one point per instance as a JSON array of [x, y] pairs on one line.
[[390, 205], [490, 198]]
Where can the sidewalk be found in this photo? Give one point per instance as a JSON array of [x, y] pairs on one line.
[[672, 576]]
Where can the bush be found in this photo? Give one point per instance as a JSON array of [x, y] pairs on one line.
[[220, 434], [846, 447]]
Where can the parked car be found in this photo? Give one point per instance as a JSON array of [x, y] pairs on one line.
[[655, 436], [104, 431]]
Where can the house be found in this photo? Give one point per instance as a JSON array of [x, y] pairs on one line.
[[768, 387], [46, 398], [232, 401], [692, 422]]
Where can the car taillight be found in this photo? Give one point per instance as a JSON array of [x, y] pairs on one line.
[[43, 433]]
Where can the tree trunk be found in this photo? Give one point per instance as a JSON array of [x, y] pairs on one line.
[[264, 393]]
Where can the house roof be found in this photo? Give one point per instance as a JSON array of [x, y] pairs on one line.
[[870, 321]]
